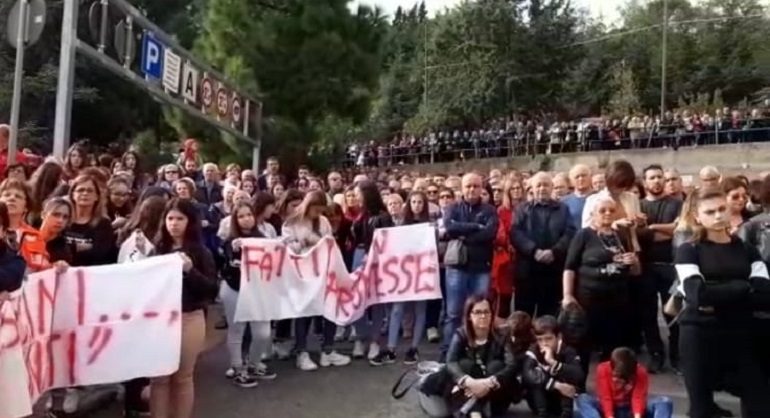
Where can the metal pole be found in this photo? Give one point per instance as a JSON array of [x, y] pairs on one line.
[[66, 84], [664, 57], [103, 26], [18, 78], [425, 64], [257, 137]]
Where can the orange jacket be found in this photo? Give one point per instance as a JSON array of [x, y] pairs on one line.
[[32, 247]]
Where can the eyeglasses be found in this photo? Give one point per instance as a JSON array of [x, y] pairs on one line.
[[84, 191], [432, 191], [481, 312], [119, 194], [445, 196]]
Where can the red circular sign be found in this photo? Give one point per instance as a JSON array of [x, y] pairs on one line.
[[207, 92], [236, 109], [223, 103]]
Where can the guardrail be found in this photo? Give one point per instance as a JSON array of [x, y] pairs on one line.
[[513, 145]]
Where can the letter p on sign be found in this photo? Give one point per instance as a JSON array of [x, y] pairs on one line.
[[152, 56]]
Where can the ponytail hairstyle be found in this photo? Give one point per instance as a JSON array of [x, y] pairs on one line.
[[700, 195]]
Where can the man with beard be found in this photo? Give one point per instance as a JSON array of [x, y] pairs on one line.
[[658, 273]]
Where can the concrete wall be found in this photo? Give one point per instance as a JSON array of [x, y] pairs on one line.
[[752, 157]]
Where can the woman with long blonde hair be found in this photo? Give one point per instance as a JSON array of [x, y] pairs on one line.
[[724, 282], [504, 256]]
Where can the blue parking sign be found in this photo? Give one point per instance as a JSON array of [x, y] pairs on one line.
[[152, 56]]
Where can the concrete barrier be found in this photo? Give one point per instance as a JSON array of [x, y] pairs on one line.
[[733, 158]]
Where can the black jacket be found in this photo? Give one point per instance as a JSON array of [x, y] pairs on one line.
[[460, 349], [231, 271], [756, 233], [199, 285], [206, 196], [536, 372], [363, 229], [12, 268], [541, 226]]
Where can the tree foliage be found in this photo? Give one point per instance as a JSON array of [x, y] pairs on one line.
[[329, 75]]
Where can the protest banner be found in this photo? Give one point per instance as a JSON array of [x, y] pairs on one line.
[[89, 326], [402, 265]]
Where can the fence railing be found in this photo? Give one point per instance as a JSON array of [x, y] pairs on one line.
[[512, 144]]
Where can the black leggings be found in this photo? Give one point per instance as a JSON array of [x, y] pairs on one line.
[[714, 354], [761, 345]]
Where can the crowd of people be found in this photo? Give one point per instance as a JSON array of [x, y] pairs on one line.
[[540, 273], [509, 137]]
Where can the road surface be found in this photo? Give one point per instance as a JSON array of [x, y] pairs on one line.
[[358, 390]]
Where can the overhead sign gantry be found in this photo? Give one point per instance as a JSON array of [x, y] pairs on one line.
[[164, 69]]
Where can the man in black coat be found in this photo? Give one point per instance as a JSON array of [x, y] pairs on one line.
[[540, 234]]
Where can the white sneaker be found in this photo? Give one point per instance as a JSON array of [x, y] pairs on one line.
[[358, 349], [230, 373], [374, 349], [281, 351], [71, 400], [305, 363], [334, 359], [433, 335]]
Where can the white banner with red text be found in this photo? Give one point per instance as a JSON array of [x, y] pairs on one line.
[[89, 326], [401, 266]]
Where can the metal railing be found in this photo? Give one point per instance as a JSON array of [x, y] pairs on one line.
[[511, 144]]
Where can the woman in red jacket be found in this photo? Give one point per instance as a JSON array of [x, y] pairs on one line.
[[504, 255]]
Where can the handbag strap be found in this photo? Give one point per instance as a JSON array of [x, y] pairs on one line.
[[400, 393]]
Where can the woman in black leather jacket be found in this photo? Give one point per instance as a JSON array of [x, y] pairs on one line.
[[480, 366], [373, 215], [756, 233]]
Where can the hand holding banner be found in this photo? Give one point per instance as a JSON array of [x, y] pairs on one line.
[[276, 283], [89, 326]]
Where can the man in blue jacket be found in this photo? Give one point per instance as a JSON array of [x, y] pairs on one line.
[[475, 224]]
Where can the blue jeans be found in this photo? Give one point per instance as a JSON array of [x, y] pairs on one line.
[[397, 316], [368, 326], [587, 406], [460, 285]]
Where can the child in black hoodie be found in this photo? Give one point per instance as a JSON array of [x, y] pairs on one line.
[[552, 371]]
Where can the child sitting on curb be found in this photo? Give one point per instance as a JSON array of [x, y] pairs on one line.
[[552, 372], [622, 391]]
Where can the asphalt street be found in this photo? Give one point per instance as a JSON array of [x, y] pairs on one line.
[[358, 390]]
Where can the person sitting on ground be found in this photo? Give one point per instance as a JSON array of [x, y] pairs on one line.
[[552, 371], [479, 367], [622, 386]]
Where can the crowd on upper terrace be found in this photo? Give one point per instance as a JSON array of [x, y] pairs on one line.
[[521, 135]]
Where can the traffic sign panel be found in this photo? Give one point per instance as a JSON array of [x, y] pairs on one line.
[[190, 83], [207, 92], [237, 110], [223, 103], [152, 56], [172, 66]]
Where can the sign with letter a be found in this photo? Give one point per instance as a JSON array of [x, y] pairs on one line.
[[190, 83]]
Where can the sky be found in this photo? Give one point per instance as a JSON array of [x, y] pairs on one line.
[[605, 8]]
